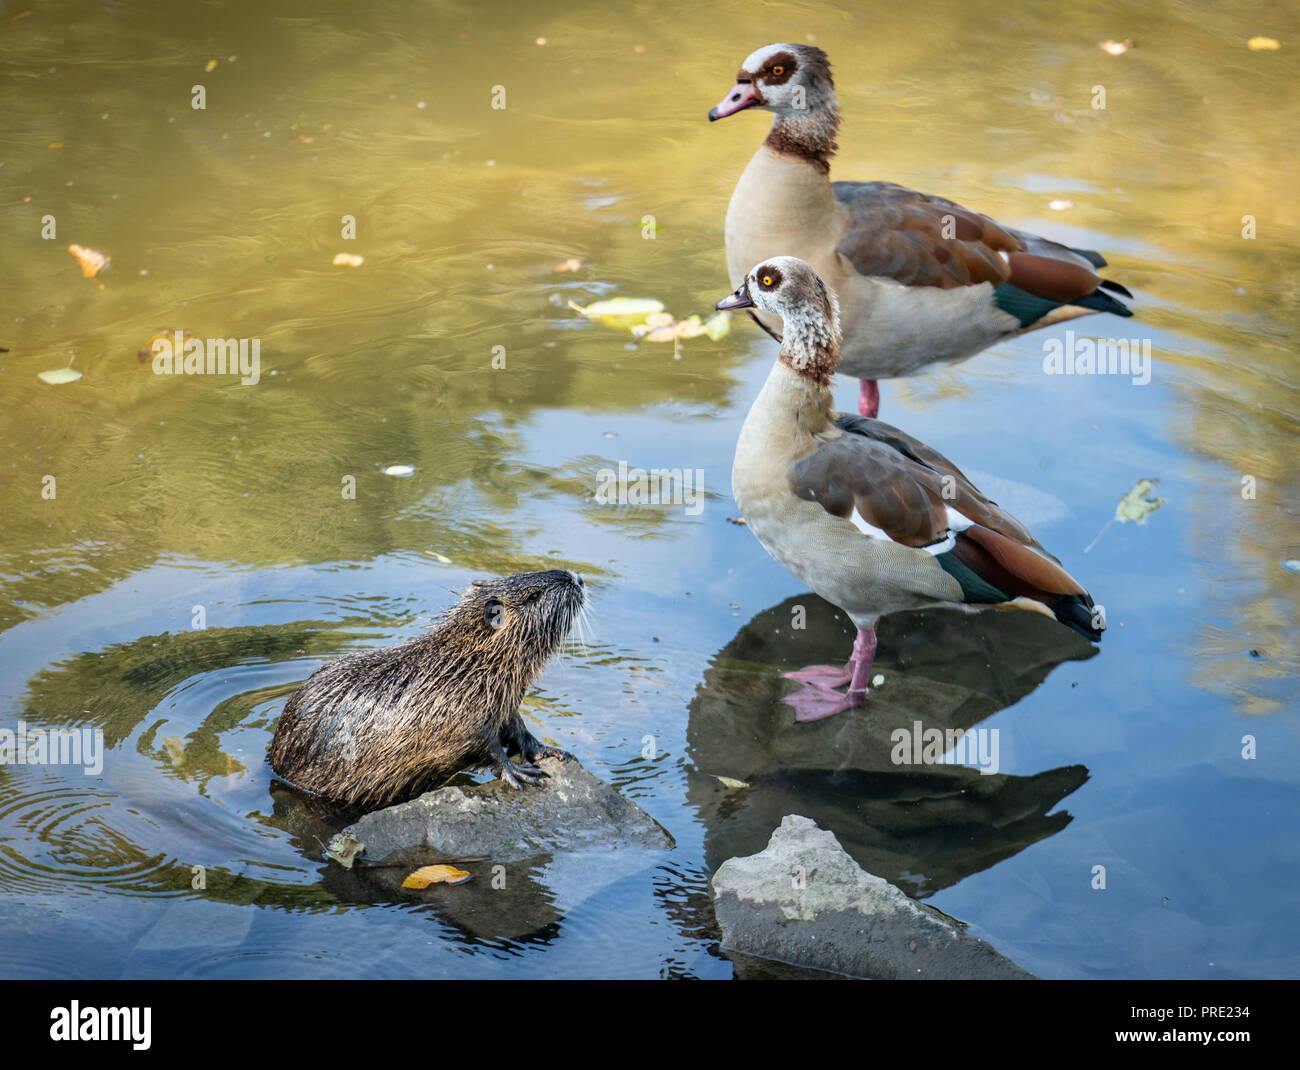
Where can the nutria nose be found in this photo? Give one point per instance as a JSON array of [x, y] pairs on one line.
[[576, 578]]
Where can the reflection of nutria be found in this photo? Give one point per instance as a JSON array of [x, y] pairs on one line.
[[385, 725]]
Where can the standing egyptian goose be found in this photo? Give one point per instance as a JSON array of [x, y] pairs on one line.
[[868, 517], [921, 281]]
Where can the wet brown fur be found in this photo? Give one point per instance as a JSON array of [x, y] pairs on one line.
[[381, 726]]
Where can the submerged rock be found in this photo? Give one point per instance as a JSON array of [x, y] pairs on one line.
[[569, 811], [534, 854], [803, 900]]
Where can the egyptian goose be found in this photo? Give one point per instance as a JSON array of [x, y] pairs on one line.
[[868, 517], [921, 281]]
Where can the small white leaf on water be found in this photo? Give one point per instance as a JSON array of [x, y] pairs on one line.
[[58, 376], [878, 679], [718, 325], [399, 470]]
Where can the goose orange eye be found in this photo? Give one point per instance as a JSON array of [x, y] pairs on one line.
[[767, 280], [778, 71]]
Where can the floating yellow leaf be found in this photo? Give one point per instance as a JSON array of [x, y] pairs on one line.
[[348, 260], [1263, 44], [427, 875], [211, 65], [623, 312], [1136, 505], [441, 557], [572, 264], [1116, 48], [730, 782], [92, 261], [58, 376]]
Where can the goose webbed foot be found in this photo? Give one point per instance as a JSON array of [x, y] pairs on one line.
[[818, 699]]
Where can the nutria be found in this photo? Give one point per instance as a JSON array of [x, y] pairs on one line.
[[382, 726]]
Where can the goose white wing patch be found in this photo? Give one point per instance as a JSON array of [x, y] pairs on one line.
[[864, 527], [956, 523]]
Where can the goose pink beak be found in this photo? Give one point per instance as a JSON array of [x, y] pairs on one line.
[[742, 96]]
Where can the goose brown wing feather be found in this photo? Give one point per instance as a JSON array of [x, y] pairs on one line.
[[920, 240], [903, 487]]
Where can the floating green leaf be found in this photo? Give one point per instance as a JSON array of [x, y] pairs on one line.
[[625, 312], [730, 782], [1137, 504]]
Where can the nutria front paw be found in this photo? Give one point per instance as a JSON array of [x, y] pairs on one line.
[[517, 775], [533, 748], [545, 751]]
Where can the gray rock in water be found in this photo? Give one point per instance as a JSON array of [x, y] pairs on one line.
[[803, 900], [549, 848], [569, 811]]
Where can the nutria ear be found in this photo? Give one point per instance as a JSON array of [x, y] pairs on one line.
[[494, 612]]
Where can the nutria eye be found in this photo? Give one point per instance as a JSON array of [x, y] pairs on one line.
[[494, 613], [532, 598], [778, 71]]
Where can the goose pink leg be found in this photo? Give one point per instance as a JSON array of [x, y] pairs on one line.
[[869, 399], [818, 698]]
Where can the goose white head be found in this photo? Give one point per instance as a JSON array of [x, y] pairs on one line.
[[790, 80], [788, 287]]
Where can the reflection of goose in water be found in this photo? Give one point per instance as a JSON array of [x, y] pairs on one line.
[[923, 827]]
